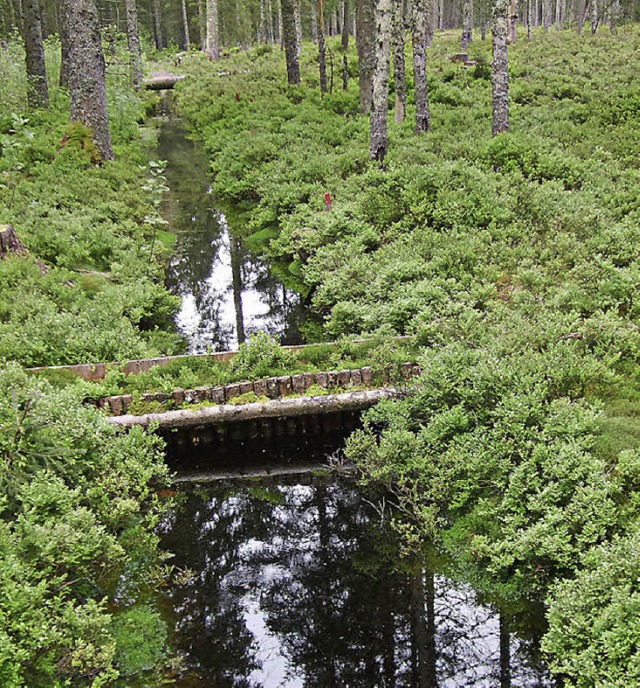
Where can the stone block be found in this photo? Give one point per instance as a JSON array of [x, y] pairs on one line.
[[332, 378], [216, 394], [322, 379], [260, 388], [273, 388], [285, 385], [231, 391], [127, 400], [356, 377], [178, 396], [367, 376], [298, 383], [344, 378], [246, 387], [202, 394], [309, 380], [116, 406]]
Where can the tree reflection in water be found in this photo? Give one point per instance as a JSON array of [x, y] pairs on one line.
[[227, 292], [297, 583]]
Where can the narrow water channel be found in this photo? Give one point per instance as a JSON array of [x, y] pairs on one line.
[[291, 578], [227, 291]]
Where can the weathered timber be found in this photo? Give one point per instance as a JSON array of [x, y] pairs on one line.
[[280, 408], [162, 80], [10, 243]]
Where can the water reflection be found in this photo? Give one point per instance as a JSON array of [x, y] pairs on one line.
[[227, 292], [297, 583]]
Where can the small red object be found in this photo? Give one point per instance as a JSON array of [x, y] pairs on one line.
[[327, 201], [237, 96], [251, 100]]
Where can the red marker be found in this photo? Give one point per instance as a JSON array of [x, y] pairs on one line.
[[237, 96], [327, 201]]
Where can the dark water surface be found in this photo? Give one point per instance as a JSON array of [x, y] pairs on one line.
[[227, 291], [294, 580]]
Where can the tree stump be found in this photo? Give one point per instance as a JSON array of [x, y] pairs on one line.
[[9, 242]]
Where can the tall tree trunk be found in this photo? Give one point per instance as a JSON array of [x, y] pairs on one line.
[[440, 14], [44, 20], [379, 142], [270, 31], [37, 90], [133, 41], [87, 83], [334, 23], [505, 652], [212, 49], [546, 14], [157, 25], [201, 27], [595, 16], [419, 40], [346, 30], [513, 20], [289, 40], [64, 52], [297, 17], [500, 75], [365, 39], [529, 20], [185, 26], [322, 49], [314, 24], [614, 13], [235, 251], [399, 76], [467, 23]]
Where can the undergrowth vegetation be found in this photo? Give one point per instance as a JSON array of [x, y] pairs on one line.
[[513, 261], [96, 291]]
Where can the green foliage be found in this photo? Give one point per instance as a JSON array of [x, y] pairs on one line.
[[260, 356], [75, 497], [140, 635], [594, 619]]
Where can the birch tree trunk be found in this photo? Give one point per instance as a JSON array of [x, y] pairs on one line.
[[365, 30], [289, 40], [546, 14], [86, 70], [298, 25], [133, 42], [467, 23], [37, 89], [500, 73], [419, 39], [322, 49], [595, 17], [529, 19], [399, 75], [212, 50], [185, 26], [378, 142]]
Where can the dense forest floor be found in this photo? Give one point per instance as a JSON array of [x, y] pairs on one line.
[[511, 261]]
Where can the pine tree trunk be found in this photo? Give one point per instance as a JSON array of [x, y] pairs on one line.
[[467, 23], [201, 27], [513, 20], [322, 48], [185, 26], [365, 39], [298, 25], [500, 75], [64, 53], [270, 31], [289, 40], [133, 42], [314, 24], [157, 25], [529, 19], [346, 30], [212, 49], [419, 39], [379, 142], [37, 90], [399, 76], [86, 70], [595, 18]]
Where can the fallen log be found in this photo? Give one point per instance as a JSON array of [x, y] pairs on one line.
[[162, 80], [277, 408]]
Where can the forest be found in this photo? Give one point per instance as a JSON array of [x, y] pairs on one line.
[[464, 174]]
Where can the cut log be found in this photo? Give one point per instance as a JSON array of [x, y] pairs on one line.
[[162, 80], [459, 57], [9, 242]]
